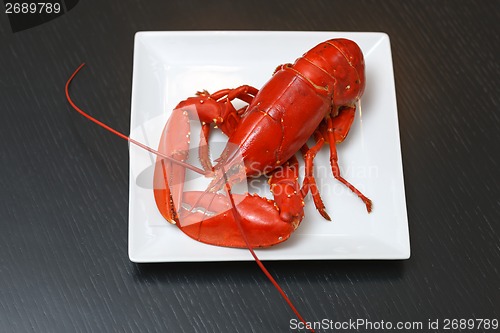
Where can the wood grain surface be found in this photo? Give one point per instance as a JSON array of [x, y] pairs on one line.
[[64, 265]]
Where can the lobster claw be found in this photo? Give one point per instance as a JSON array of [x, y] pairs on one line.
[[208, 217], [216, 223]]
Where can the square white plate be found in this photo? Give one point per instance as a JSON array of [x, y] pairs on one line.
[[171, 66]]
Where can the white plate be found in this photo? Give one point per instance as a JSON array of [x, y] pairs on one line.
[[171, 66]]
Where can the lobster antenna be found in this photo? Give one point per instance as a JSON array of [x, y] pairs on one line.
[[263, 268], [198, 170], [121, 135]]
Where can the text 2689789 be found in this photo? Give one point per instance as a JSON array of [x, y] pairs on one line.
[[32, 8]]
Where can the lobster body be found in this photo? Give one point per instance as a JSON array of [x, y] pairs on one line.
[[291, 105], [314, 97]]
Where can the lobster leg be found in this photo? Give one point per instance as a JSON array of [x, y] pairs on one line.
[[226, 118], [203, 151], [206, 216], [337, 130], [309, 180]]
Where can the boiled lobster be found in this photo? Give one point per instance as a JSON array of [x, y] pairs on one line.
[[315, 96]]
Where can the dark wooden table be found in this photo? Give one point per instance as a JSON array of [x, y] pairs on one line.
[[64, 182]]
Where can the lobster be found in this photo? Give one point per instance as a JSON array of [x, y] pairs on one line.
[[314, 97]]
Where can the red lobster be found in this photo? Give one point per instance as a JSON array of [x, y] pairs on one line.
[[315, 96]]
